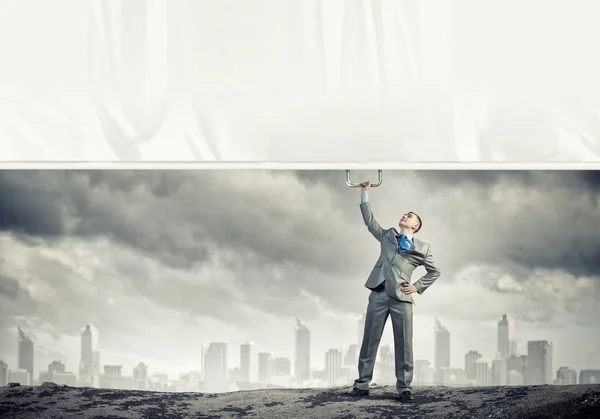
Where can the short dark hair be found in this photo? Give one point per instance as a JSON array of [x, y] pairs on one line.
[[418, 218]]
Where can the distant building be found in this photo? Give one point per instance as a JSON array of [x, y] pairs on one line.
[[333, 366], [265, 367], [351, 357], [347, 375], [248, 363], [235, 376], [194, 381], [183, 384], [499, 372], [25, 354], [158, 381], [566, 376], [518, 363], [113, 370], [385, 373], [62, 379], [57, 367], [470, 359], [441, 346], [215, 368], [20, 376], [45, 376], [589, 377], [512, 349], [423, 373], [3, 373], [57, 373], [113, 378], [140, 376], [140, 372], [506, 342], [89, 365], [282, 366], [539, 357], [482, 372], [302, 352]]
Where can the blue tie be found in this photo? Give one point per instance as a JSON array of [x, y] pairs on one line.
[[404, 243]]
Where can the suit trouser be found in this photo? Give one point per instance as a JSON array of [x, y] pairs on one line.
[[380, 307]]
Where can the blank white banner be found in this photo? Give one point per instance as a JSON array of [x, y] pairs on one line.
[[297, 81]]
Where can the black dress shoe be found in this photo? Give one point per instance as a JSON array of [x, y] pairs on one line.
[[356, 392], [406, 397]]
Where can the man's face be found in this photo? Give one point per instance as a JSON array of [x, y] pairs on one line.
[[410, 221]]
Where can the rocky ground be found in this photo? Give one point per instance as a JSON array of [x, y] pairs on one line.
[[53, 401]]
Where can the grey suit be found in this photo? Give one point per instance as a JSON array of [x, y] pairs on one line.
[[394, 268]]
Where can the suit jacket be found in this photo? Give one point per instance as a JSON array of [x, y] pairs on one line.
[[396, 268]]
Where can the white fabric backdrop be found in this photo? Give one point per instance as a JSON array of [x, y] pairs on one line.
[[287, 80]]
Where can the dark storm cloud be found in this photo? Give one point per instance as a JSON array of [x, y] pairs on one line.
[[10, 288], [590, 178], [27, 206], [178, 217], [182, 217], [551, 226]]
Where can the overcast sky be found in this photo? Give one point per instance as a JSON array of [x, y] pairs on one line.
[[163, 262]]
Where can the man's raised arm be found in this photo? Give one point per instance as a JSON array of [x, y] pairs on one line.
[[365, 208]]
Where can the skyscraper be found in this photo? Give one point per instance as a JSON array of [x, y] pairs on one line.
[[470, 359], [25, 354], [506, 331], [333, 365], [302, 355], [89, 365], [442, 346], [215, 368], [248, 363], [539, 359]]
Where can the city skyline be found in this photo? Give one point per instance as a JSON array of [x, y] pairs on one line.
[[256, 370], [155, 260]]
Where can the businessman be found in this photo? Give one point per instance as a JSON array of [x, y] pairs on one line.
[[391, 295]]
